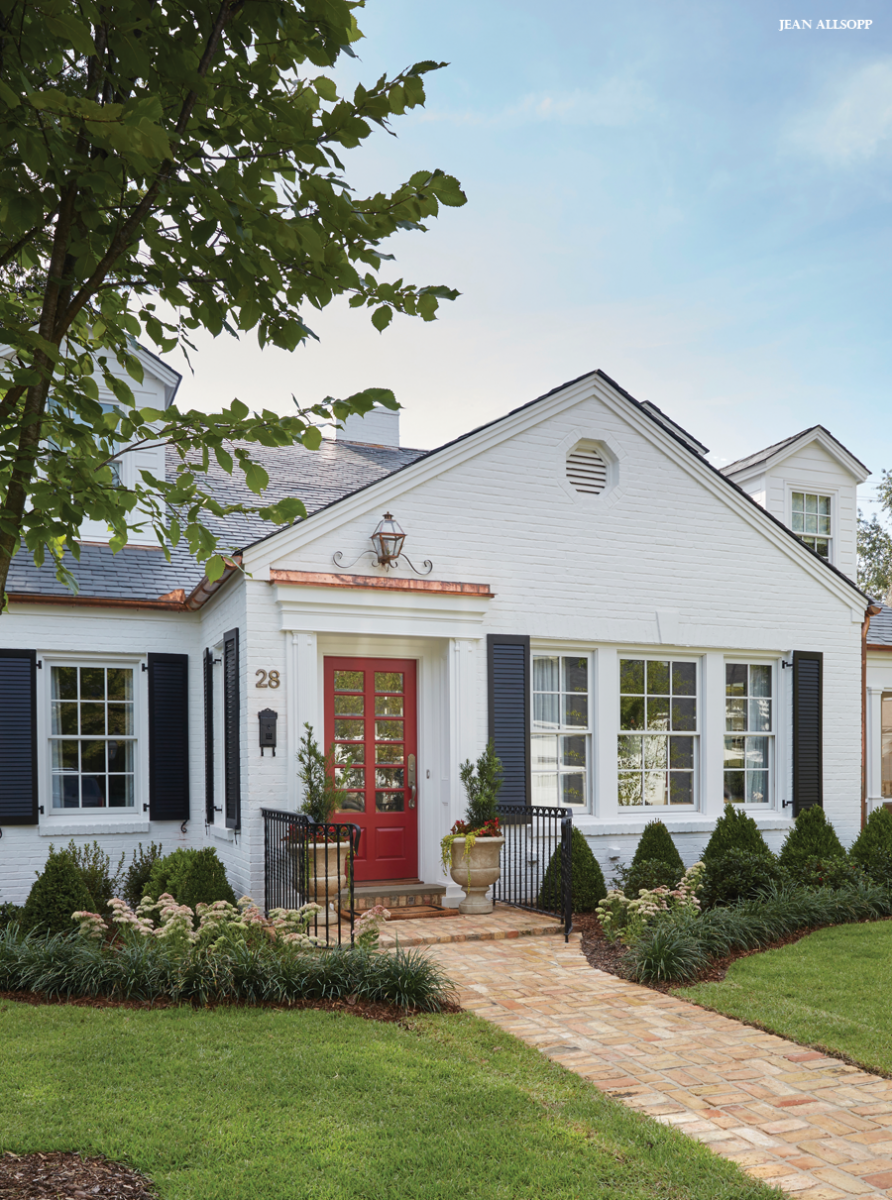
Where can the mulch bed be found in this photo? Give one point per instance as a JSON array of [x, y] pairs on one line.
[[62, 1176], [353, 1006]]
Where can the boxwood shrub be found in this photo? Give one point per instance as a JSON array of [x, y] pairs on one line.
[[812, 836], [735, 830], [588, 887]]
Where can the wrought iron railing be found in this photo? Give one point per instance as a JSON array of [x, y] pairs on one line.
[[305, 863], [538, 841]]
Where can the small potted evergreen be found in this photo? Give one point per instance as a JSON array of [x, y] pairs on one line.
[[327, 858], [471, 852]]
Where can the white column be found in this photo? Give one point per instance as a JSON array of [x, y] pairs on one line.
[[606, 729], [874, 748], [465, 739], [712, 734], [303, 703]]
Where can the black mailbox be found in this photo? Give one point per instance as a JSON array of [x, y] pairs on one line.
[[268, 720]]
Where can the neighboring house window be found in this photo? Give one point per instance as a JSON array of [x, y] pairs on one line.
[[749, 726], [560, 738], [886, 749], [658, 739], [811, 521], [92, 737]]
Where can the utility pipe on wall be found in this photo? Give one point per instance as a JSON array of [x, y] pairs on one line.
[[871, 611]]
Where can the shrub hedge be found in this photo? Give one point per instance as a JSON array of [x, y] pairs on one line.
[[678, 946], [872, 850]]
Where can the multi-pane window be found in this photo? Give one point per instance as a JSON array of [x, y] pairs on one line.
[[560, 729], [811, 521], [369, 722], [748, 736], [92, 737], [658, 723]]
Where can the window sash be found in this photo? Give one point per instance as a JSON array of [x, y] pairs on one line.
[[92, 739], [560, 739], [748, 773], [658, 746]]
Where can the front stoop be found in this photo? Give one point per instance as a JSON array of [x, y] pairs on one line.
[[502, 923], [395, 895]]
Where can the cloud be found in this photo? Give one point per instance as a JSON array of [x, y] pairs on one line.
[[854, 123], [616, 103]]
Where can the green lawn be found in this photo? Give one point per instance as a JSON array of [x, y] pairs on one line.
[[254, 1104], [831, 989]]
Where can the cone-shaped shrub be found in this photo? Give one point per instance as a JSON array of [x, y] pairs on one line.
[[872, 850], [588, 880], [811, 837], [656, 843], [734, 830], [876, 834], [57, 893]]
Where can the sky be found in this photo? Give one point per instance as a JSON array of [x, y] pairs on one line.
[[681, 194]]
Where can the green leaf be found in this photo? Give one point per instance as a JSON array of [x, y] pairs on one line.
[[214, 568], [71, 31], [382, 317], [255, 477], [224, 458], [8, 96], [239, 410]]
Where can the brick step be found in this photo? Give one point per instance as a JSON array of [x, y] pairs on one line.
[[395, 895]]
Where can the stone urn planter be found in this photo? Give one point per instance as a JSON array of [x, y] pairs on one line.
[[476, 872], [325, 883]]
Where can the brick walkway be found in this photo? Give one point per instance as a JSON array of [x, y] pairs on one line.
[[809, 1124]]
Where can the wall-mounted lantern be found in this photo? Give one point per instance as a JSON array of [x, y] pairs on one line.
[[268, 720], [388, 540]]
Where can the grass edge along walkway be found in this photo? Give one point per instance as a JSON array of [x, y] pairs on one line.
[[232, 1104], [829, 990]]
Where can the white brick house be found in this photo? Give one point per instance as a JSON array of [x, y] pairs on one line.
[[627, 619]]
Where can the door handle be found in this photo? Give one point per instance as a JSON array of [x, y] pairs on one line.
[[413, 790]]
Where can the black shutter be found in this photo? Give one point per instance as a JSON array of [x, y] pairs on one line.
[[18, 737], [231, 730], [209, 736], [808, 732], [169, 737], [509, 713]]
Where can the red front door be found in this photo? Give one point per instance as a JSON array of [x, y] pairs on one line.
[[370, 717]]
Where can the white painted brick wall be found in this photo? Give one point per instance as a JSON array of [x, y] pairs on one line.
[[589, 572]]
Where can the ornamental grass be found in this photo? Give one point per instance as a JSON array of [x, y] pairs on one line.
[[67, 966]]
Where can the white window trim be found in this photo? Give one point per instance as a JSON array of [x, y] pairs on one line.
[[72, 821], [659, 655], [760, 660], [564, 651], [832, 494]]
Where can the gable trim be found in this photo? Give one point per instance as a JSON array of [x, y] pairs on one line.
[[383, 583]]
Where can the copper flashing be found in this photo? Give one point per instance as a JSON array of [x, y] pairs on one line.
[[389, 584], [97, 601]]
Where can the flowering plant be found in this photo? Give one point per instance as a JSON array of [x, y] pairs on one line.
[[625, 920], [366, 929], [217, 924]]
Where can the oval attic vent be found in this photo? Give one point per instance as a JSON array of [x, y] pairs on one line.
[[587, 471]]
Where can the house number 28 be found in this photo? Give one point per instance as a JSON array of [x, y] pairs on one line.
[[268, 679]]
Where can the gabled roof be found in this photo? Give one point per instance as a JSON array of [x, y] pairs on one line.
[[322, 479], [780, 450]]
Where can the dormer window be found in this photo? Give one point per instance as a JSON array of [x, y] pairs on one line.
[[811, 521]]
